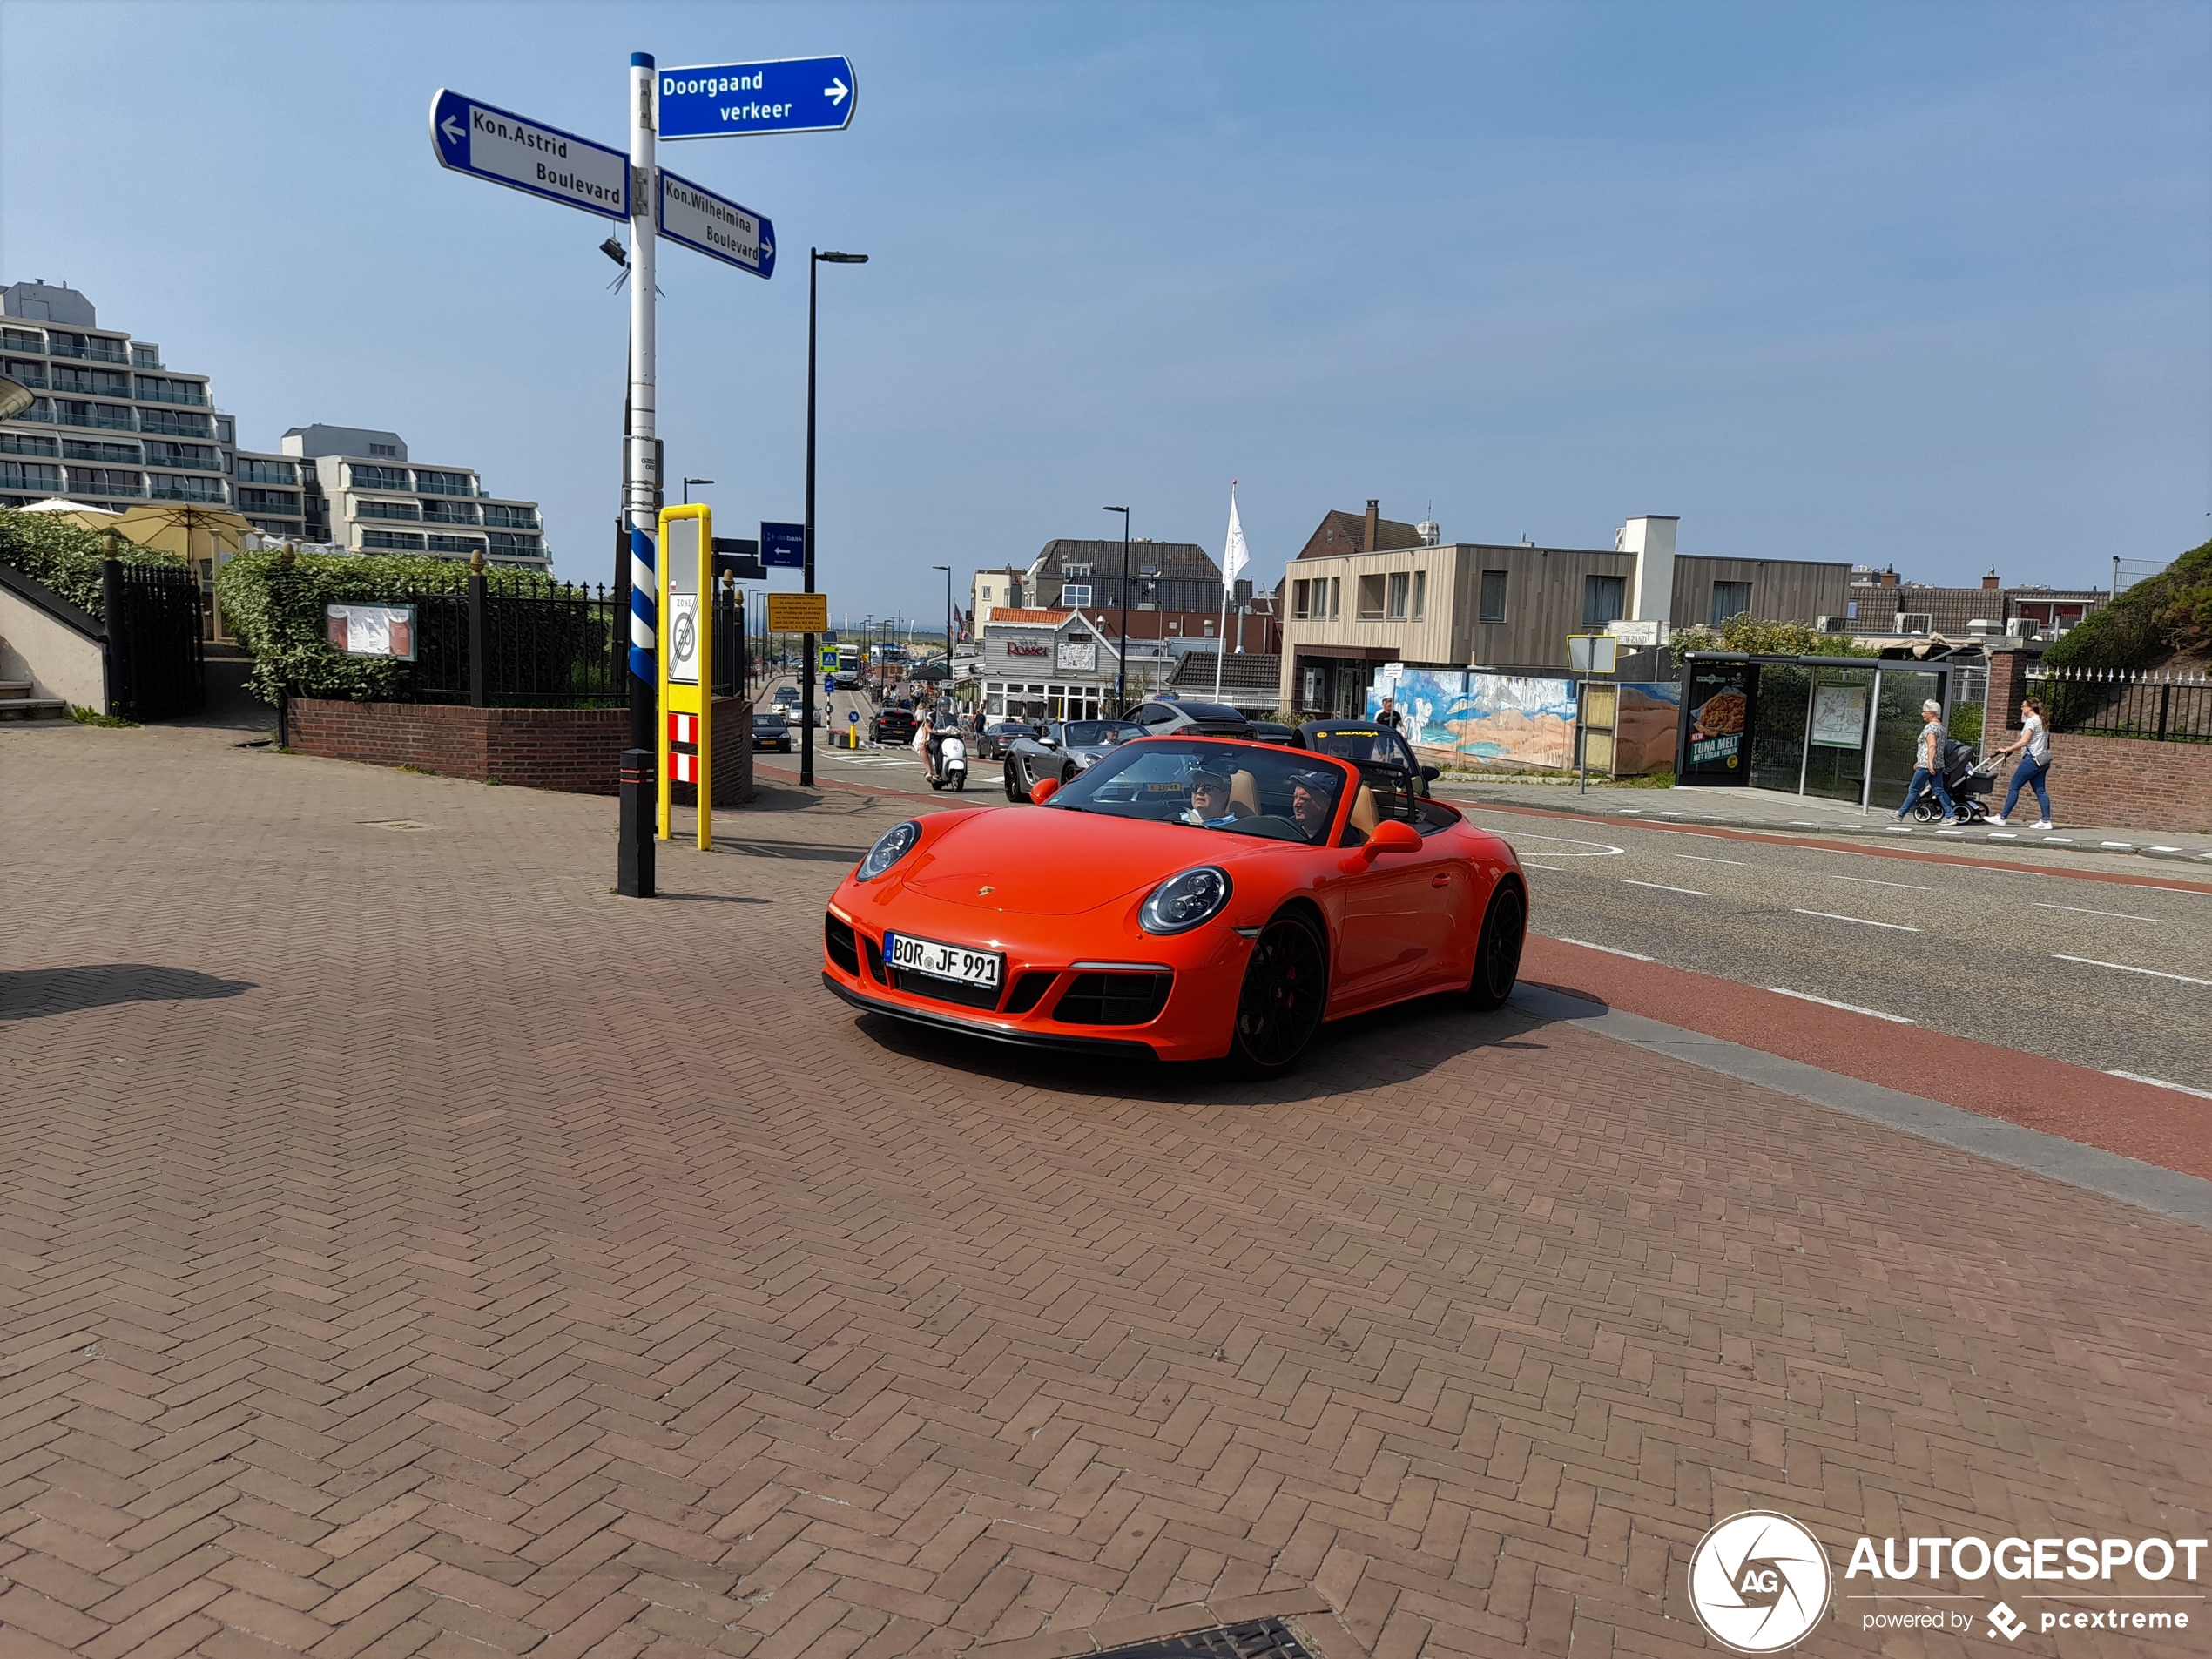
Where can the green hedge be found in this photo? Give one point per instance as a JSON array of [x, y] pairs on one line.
[[276, 612], [58, 554], [1765, 637], [2166, 615]]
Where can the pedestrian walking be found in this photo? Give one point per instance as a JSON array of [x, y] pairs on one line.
[[1390, 717], [2034, 750], [1927, 769]]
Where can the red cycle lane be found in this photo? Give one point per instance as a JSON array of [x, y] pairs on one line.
[[2158, 1126]]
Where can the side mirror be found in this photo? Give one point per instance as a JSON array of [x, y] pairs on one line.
[[1430, 774], [1045, 788], [1391, 836]]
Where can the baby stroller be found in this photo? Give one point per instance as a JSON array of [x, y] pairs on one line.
[[1968, 781]]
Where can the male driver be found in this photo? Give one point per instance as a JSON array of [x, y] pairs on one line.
[[1927, 766], [1210, 807], [1313, 803]]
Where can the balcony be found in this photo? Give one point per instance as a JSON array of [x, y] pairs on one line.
[[37, 382], [106, 417], [190, 395], [192, 463], [264, 472], [81, 490], [99, 351], [198, 489], [177, 426], [432, 484]]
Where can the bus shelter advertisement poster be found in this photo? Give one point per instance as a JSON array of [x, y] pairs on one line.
[[1720, 720]]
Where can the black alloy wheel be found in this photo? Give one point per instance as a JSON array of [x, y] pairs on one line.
[[1286, 986], [1012, 769], [1067, 774], [1497, 952]]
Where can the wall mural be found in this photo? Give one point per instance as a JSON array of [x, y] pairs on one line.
[[1518, 721]]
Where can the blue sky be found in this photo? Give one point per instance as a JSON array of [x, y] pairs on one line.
[[1924, 284]]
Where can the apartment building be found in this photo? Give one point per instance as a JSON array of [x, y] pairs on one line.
[[358, 490], [111, 425]]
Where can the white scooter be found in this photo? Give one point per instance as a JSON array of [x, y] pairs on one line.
[[951, 766]]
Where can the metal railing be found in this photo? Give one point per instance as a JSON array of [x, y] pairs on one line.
[[190, 464], [2156, 705], [186, 490], [176, 425], [194, 399], [98, 352]]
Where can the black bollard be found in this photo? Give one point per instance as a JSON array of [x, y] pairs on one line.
[[640, 801]]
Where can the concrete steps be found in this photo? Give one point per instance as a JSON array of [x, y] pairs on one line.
[[17, 703]]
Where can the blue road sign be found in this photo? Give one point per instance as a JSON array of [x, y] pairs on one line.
[[716, 226], [783, 546], [786, 95], [522, 154]]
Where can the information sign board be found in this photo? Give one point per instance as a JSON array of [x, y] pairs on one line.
[[512, 150], [715, 226], [797, 613], [777, 95], [783, 546]]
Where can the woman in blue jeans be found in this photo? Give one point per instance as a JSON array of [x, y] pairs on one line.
[[1928, 770], [2035, 762]]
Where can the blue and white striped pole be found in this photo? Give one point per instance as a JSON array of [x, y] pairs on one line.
[[640, 763], [642, 488]]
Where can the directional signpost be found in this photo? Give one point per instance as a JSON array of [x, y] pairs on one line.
[[784, 95], [522, 154], [790, 95], [716, 226]]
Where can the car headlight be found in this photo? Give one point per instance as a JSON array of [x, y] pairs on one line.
[[1183, 902], [894, 844]]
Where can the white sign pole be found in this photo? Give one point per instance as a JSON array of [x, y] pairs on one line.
[[639, 487]]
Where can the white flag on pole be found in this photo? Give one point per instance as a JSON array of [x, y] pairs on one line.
[[1234, 556]]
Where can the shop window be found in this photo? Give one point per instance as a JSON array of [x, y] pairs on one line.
[[1493, 597]]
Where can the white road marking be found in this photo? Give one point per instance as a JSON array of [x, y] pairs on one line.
[[1605, 849], [1829, 1002], [1829, 915], [2092, 961], [1869, 881], [1531, 864], [1700, 858], [1608, 949], [2160, 1083], [1693, 892], [2083, 910]]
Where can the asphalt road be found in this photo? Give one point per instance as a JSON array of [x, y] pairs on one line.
[[2117, 975]]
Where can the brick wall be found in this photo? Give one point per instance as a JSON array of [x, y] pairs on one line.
[[2122, 783], [578, 751]]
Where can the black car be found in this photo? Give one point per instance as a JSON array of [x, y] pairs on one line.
[[893, 725], [1362, 741], [769, 731], [1268, 732], [991, 741]]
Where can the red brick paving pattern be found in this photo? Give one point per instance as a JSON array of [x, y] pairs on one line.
[[431, 1296]]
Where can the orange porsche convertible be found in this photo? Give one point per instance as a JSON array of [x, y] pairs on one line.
[[1193, 898]]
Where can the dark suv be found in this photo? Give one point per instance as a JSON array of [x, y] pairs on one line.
[[893, 726]]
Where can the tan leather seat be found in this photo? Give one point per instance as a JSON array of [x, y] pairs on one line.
[[1244, 794], [1363, 816]]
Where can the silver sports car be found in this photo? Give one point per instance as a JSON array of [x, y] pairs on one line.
[[1066, 748]]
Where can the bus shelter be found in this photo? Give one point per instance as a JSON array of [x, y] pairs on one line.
[[1835, 728]]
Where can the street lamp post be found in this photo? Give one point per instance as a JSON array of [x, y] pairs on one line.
[[815, 260], [947, 570], [688, 482], [1121, 671]]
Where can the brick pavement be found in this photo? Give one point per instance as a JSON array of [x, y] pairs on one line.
[[379, 1274]]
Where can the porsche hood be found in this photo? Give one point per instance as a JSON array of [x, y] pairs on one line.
[[1048, 863]]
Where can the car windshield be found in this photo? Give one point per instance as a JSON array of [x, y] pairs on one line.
[[1243, 788], [1365, 743], [1084, 733]]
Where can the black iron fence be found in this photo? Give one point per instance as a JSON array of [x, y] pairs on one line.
[[545, 645], [2126, 703], [155, 670]]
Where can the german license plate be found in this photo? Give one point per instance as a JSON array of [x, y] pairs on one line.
[[955, 963]]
